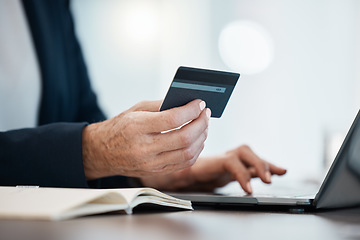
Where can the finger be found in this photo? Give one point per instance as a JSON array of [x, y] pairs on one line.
[[251, 159], [182, 138], [252, 172], [240, 173], [276, 170], [176, 160], [173, 118], [272, 168], [149, 106], [179, 159]]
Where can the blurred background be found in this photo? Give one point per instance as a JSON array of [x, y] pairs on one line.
[[299, 61]]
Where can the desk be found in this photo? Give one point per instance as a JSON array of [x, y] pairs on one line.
[[202, 223]]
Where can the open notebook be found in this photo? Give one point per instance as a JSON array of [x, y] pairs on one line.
[[64, 203]]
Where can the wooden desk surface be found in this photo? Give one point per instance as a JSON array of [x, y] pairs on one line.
[[199, 224]]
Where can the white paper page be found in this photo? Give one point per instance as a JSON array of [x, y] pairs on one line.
[[45, 203], [131, 193]]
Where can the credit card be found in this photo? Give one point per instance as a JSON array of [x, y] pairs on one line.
[[213, 87]]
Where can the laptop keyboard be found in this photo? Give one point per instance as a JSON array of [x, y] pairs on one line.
[[279, 188]]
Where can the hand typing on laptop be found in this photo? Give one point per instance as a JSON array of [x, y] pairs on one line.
[[240, 164]]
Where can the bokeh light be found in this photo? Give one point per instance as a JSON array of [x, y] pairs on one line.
[[141, 23], [246, 47]]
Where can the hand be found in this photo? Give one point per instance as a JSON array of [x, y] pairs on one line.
[[138, 142], [240, 164]]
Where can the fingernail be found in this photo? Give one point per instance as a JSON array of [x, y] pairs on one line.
[[202, 105], [249, 189], [268, 176], [208, 113]]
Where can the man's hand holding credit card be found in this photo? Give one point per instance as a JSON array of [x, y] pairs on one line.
[[213, 87]]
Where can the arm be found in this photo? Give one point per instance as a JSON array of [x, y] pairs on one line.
[[131, 144], [49, 155]]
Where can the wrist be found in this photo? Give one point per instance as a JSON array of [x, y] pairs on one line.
[[90, 153], [175, 181]]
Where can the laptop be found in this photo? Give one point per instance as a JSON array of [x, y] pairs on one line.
[[339, 189]]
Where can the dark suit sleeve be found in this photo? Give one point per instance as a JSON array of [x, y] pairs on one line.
[[49, 155]]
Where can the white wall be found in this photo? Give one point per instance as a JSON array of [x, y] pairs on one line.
[[311, 88]]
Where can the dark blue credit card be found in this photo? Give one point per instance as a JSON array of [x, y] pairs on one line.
[[214, 87]]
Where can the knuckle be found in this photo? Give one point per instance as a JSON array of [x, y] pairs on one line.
[[261, 165], [243, 151], [138, 106], [172, 120], [244, 176], [128, 126], [185, 139], [189, 154], [189, 163], [230, 158], [244, 147]]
